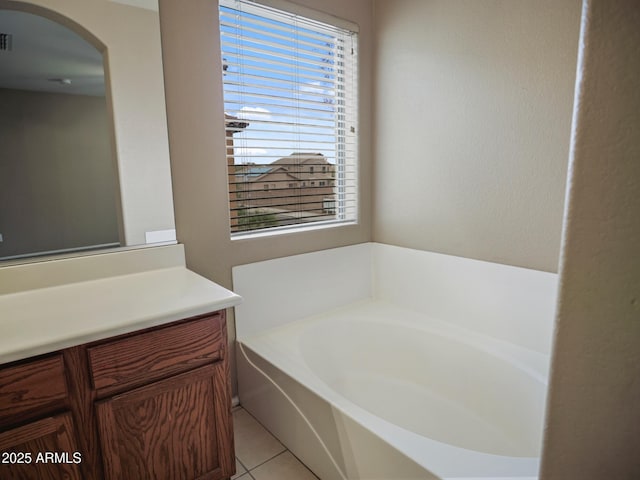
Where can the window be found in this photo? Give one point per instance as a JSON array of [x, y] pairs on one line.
[[329, 205], [290, 98]]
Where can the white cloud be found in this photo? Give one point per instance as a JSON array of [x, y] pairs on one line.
[[249, 151], [315, 87], [254, 113]]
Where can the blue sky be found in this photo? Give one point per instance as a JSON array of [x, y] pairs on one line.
[[288, 99]]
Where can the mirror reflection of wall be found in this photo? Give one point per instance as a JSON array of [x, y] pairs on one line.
[[57, 172], [108, 143]]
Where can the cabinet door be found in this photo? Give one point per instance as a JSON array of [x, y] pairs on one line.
[[177, 428], [43, 450]]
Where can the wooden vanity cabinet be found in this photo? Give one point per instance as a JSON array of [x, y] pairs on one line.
[[163, 396], [154, 404], [30, 391], [156, 431], [28, 451]]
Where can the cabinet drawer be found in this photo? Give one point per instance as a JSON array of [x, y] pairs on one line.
[[148, 356], [36, 385]]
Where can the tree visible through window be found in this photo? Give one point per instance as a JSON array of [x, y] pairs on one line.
[[291, 118]]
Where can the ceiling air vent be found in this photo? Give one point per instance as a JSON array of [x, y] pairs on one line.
[[6, 41]]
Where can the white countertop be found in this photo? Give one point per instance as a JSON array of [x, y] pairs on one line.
[[43, 320]]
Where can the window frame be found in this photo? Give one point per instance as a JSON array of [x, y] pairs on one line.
[[352, 127]]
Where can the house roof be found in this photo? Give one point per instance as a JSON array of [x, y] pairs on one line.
[[301, 157], [253, 170], [234, 124], [259, 172], [273, 171]]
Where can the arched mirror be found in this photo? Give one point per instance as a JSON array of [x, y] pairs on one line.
[[83, 149]]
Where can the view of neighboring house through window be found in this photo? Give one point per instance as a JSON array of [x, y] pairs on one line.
[[290, 103]]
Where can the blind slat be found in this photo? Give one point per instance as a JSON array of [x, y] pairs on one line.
[[324, 87], [323, 44], [264, 57], [284, 89], [283, 24], [266, 68], [291, 104], [290, 80]]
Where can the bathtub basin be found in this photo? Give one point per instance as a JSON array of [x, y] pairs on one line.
[[378, 389]]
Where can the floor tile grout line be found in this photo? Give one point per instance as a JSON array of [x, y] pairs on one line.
[[246, 475], [246, 472], [238, 408], [260, 423], [285, 449], [268, 460], [243, 465], [304, 464]]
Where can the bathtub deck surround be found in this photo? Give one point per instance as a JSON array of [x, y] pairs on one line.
[[374, 361]]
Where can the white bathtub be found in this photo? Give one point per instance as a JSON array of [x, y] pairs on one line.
[[364, 385]]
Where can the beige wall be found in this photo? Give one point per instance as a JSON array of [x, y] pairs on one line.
[[473, 107], [593, 424], [57, 177], [193, 82], [130, 38], [472, 120]]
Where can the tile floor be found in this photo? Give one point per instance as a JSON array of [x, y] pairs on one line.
[[259, 456]]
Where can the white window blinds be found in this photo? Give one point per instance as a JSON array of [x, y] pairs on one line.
[[291, 118]]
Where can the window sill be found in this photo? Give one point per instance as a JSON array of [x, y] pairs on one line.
[[294, 229]]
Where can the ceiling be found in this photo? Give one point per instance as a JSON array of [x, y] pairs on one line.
[[48, 57]]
